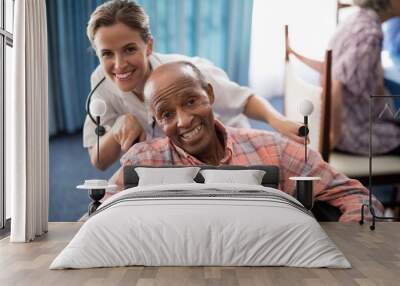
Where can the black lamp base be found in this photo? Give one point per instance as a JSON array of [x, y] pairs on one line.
[[96, 195], [375, 217], [304, 193], [304, 190]]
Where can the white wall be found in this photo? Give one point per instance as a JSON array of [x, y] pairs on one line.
[[311, 24]]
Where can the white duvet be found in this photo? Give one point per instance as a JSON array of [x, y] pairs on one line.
[[201, 224]]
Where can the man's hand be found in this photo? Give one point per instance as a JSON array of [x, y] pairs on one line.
[[288, 128], [127, 130]]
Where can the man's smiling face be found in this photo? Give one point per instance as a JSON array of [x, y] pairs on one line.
[[181, 104]]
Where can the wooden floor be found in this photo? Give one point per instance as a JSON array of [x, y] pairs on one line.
[[374, 255]]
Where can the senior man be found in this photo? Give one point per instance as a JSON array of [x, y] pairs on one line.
[[181, 101]]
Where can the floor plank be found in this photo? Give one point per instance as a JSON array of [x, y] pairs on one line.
[[374, 255]]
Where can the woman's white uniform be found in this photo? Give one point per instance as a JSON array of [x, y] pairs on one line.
[[230, 98]]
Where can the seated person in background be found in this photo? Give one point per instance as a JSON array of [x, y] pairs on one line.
[[357, 73], [181, 102]]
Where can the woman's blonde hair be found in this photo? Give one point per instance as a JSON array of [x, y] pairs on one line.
[[119, 11]]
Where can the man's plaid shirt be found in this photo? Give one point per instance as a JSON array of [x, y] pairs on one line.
[[256, 147]]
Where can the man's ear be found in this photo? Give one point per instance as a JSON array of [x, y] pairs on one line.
[[210, 93], [149, 48]]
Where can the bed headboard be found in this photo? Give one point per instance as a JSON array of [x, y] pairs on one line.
[[270, 179], [322, 211]]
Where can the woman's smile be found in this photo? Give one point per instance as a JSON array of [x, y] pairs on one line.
[[126, 76]]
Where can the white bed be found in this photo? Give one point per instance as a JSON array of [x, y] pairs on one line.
[[201, 224]]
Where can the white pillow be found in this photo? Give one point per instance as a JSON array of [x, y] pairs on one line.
[[248, 177], [164, 176]]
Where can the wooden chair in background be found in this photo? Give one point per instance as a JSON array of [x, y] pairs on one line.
[[339, 7], [295, 91]]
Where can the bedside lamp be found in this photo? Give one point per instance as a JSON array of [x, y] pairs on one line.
[[305, 108], [98, 108], [304, 185], [96, 188]]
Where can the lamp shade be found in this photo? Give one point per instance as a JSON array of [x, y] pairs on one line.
[[98, 107], [306, 107]]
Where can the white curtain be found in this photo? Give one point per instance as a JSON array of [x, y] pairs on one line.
[[311, 24], [26, 124]]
